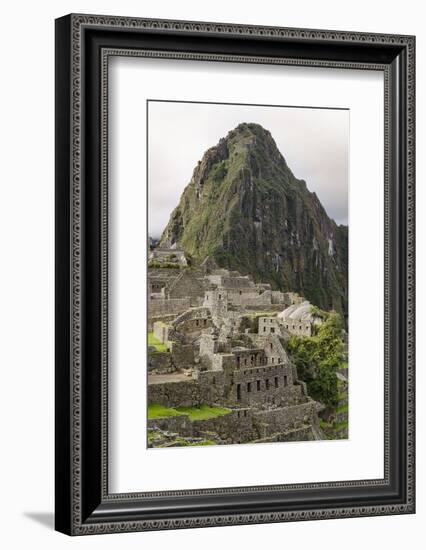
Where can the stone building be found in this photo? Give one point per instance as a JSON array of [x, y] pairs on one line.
[[296, 319], [186, 285], [172, 289], [224, 339], [168, 256], [212, 363]]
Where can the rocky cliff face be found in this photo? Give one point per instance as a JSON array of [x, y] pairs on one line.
[[244, 207]]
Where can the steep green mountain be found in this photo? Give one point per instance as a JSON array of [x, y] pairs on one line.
[[244, 207]]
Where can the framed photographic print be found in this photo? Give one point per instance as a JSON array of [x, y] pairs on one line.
[[234, 274]]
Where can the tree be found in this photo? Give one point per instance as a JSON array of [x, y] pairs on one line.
[[319, 357]]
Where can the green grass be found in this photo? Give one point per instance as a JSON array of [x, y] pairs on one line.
[[342, 409], [154, 342], [158, 411], [203, 412], [153, 436]]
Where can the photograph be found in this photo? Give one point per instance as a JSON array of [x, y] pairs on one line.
[[235, 273], [210, 222], [247, 298]]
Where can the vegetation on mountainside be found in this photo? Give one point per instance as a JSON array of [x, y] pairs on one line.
[[319, 357], [246, 209]]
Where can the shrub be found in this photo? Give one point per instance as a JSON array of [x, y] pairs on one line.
[[318, 358]]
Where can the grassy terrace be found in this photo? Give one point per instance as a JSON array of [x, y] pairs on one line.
[[203, 412], [153, 341]]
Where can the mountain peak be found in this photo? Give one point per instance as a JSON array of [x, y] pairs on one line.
[[250, 133], [252, 128], [245, 209]]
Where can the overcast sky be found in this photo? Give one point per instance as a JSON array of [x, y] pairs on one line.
[[314, 142]]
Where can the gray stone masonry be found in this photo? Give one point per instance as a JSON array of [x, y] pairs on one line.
[[187, 285], [161, 306], [161, 331], [221, 354], [243, 425], [182, 355], [160, 361], [184, 393], [169, 255]]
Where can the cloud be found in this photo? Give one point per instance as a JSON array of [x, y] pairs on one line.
[[314, 142]]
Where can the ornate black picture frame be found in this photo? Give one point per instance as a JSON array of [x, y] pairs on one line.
[[83, 46]]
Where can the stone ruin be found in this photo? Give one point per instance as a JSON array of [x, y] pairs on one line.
[[222, 352]]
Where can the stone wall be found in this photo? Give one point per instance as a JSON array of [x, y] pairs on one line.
[[245, 297], [259, 300], [191, 314], [278, 297], [269, 386], [269, 325], [164, 318], [177, 424], [155, 286], [298, 328], [273, 325], [278, 420], [169, 255], [184, 393], [186, 286], [243, 426], [208, 346], [214, 386], [160, 362], [182, 355], [231, 428], [273, 349], [191, 326], [206, 388], [291, 298], [249, 357], [217, 302], [222, 361], [270, 307], [266, 386], [163, 273], [161, 331], [175, 306], [193, 321]]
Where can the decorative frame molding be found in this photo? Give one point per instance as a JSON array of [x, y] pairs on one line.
[[84, 44]]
